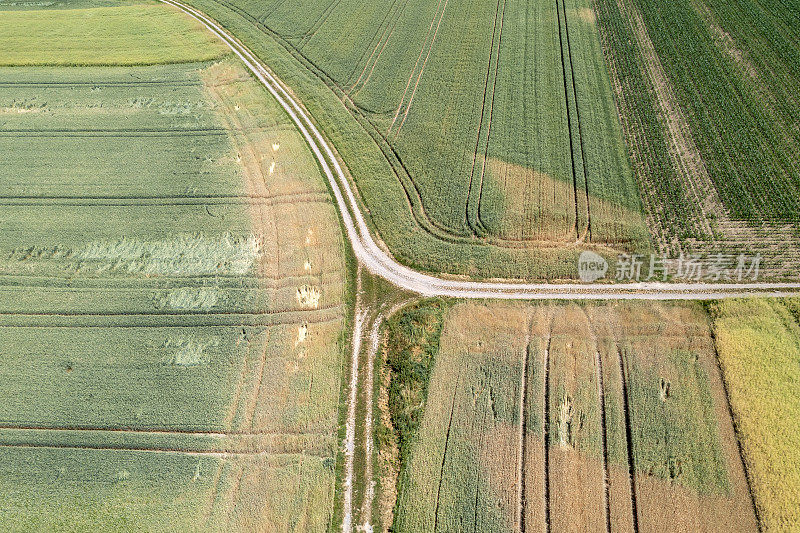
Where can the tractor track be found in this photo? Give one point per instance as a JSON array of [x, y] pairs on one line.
[[380, 263], [623, 376]]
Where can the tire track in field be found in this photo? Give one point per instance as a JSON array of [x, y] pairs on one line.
[[421, 71], [171, 203], [489, 125], [160, 450], [250, 407], [416, 64], [444, 456], [142, 83], [523, 430], [400, 12], [212, 498], [270, 10], [546, 423], [172, 314], [319, 22], [152, 431], [601, 398], [386, 25], [587, 233], [230, 416], [622, 367], [478, 228], [563, 39]]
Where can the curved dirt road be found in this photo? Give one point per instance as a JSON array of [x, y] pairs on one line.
[[378, 262]]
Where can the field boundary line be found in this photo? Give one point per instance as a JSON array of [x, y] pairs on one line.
[[523, 429], [380, 263], [421, 71], [622, 364]]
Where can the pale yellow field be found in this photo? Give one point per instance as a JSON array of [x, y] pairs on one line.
[[759, 349]]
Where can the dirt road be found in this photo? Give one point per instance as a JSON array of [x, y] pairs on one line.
[[378, 262]]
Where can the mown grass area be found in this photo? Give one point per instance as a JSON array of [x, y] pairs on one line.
[[117, 35], [759, 349], [172, 283], [416, 185]]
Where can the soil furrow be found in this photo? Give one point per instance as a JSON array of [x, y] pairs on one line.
[[444, 457], [623, 376]]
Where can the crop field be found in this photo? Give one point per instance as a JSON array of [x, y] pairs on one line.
[[714, 139], [759, 347], [499, 139], [172, 288], [496, 153], [565, 417], [62, 37]]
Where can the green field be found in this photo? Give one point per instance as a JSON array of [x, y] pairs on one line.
[[172, 360], [508, 161], [115, 35], [704, 92], [501, 138], [759, 349], [662, 437]]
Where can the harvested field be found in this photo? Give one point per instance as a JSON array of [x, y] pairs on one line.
[[156, 225], [644, 442]]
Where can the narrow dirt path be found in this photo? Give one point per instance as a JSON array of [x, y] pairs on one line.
[[360, 316]]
